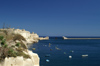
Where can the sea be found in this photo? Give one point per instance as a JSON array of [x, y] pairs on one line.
[[56, 51]]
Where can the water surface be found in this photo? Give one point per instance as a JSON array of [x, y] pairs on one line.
[[61, 57]]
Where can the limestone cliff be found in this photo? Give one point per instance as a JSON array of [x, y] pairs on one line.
[[14, 50], [20, 61], [29, 37]]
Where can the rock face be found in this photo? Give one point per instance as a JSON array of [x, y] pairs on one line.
[[30, 37], [20, 61]]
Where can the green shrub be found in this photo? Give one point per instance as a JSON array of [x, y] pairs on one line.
[[13, 46], [3, 42], [5, 45], [10, 50], [3, 34], [6, 51], [1, 37], [18, 44], [5, 31], [11, 53], [21, 53]]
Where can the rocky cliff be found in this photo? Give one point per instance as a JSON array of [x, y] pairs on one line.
[[30, 37], [14, 50], [20, 61]]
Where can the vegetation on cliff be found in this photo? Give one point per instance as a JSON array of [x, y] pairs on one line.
[[14, 50], [9, 35], [9, 47]]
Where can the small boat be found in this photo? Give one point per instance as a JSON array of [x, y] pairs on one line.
[[57, 48], [47, 60], [70, 56], [49, 45], [85, 55]]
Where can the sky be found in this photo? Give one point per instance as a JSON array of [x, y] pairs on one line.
[[52, 17]]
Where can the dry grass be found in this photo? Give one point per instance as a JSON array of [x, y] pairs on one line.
[[10, 36], [6, 51], [3, 34], [23, 45], [18, 37]]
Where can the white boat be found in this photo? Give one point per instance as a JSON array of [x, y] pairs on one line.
[[47, 60], [85, 55], [70, 56]]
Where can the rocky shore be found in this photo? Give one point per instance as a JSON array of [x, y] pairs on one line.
[[14, 50]]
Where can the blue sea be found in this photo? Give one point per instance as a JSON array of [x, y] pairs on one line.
[[61, 57]]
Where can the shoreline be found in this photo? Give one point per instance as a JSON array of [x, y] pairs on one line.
[[14, 44]]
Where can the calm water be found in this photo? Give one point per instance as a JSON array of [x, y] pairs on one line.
[[61, 57]]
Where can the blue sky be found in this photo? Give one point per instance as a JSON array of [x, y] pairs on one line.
[[52, 17]]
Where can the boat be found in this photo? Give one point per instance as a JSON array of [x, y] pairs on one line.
[[49, 45], [47, 60], [57, 48], [70, 56], [85, 55]]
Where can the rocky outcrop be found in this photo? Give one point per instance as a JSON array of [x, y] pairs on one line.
[[15, 37], [30, 37], [20, 61]]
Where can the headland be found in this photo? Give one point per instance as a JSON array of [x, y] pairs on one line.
[[14, 50]]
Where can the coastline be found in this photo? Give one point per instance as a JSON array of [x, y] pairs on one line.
[[18, 40]]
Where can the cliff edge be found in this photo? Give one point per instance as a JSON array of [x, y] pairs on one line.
[[14, 50]]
